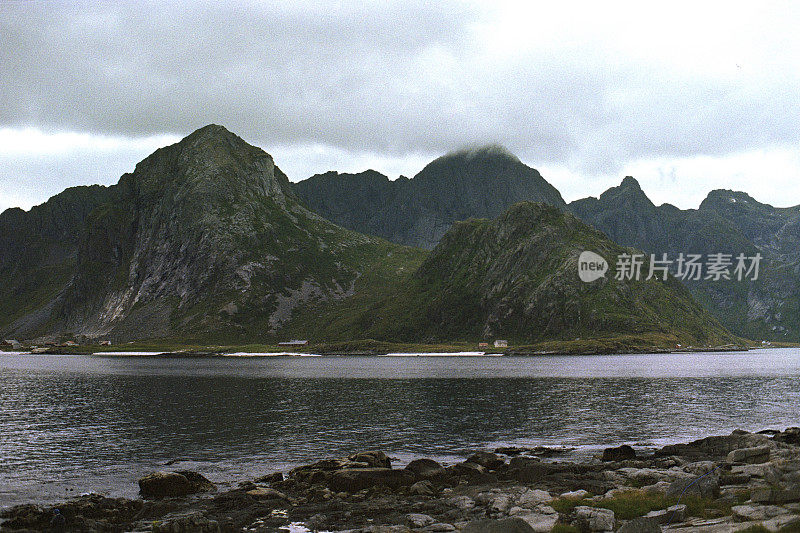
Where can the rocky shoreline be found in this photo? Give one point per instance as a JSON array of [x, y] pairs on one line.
[[739, 482]]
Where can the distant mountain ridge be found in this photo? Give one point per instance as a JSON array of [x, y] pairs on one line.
[[477, 183], [726, 222], [207, 240]]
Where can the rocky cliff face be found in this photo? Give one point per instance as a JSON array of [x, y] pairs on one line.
[[727, 222], [205, 236], [480, 183]]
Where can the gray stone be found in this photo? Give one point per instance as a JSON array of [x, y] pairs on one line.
[[531, 498], [540, 522], [262, 493], [593, 519], [422, 488], [642, 524], [419, 520], [671, 515], [757, 512], [706, 487], [462, 502], [775, 495], [439, 526], [758, 454], [576, 494], [500, 504]]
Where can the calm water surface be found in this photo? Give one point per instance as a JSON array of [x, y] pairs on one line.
[[72, 424]]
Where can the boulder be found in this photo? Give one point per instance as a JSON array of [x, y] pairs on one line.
[[775, 494], [277, 477], [533, 497], [425, 469], [589, 519], [507, 525], [173, 484], [758, 454], [488, 460], [705, 486], [757, 512], [419, 520], [191, 523], [474, 472], [620, 453], [540, 522], [671, 515], [642, 524], [422, 488], [440, 527], [462, 502], [790, 436], [356, 479], [262, 493], [372, 459], [576, 494]]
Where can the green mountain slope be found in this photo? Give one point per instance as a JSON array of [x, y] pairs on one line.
[[727, 222], [472, 183], [516, 277]]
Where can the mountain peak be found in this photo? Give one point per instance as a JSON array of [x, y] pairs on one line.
[[487, 151], [630, 182]]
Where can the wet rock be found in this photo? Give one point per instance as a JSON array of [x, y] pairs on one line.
[[642, 524], [620, 453], [588, 519], [422, 488], [705, 487], [425, 469], [507, 525], [790, 436], [356, 479], [716, 447], [262, 493], [372, 459], [488, 460], [758, 454], [173, 484], [439, 527], [277, 477], [473, 472], [195, 522]]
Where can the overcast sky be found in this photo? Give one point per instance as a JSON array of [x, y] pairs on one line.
[[685, 96]]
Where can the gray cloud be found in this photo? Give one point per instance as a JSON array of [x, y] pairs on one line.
[[399, 78]]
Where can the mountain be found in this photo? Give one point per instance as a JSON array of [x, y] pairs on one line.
[[206, 239], [516, 277], [479, 183], [726, 222], [39, 249]]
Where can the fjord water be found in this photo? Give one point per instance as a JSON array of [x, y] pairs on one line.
[[72, 424]]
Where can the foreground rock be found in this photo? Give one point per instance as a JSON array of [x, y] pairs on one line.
[[716, 484], [166, 484]]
